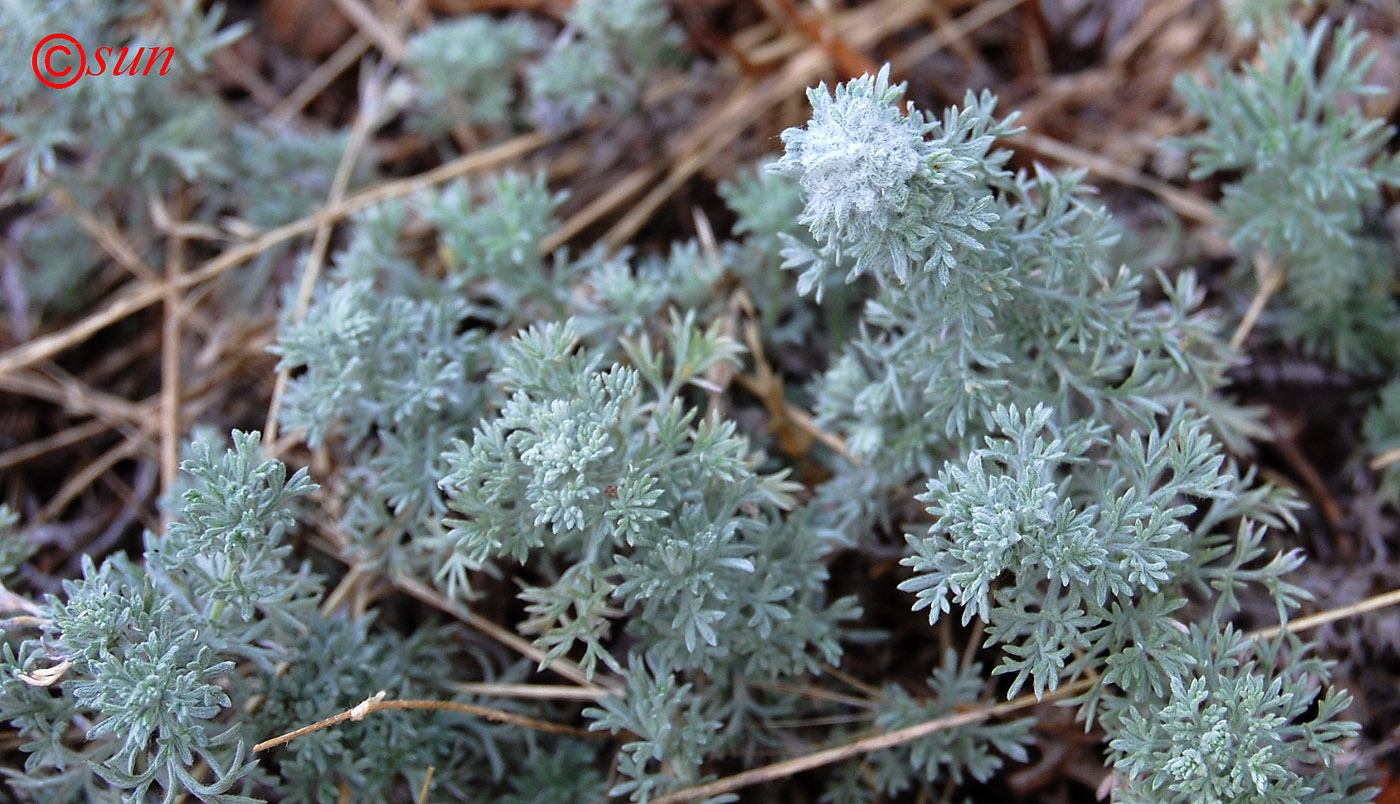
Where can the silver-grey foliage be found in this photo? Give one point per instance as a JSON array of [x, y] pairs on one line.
[[561, 421], [1084, 510], [1312, 168]]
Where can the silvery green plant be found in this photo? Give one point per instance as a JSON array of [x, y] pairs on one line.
[[603, 58], [173, 667], [134, 135], [388, 368], [560, 420], [1311, 168], [391, 369], [658, 526], [144, 656], [582, 459], [1246, 722], [647, 505], [880, 189], [993, 289], [1084, 509], [490, 241], [15, 547], [138, 132], [464, 71]]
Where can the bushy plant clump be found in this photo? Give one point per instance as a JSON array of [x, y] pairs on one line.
[[1312, 170], [1084, 511], [560, 426]]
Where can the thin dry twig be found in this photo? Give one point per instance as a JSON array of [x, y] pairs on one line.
[[1373, 603], [817, 693], [122, 250], [89, 474], [111, 240], [320, 78], [846, 58], [954, 31], [427, 785], [765, 43], [110, 412], [377, 703], [1185, 204], [137, 440], [865, 745], [940, 17], [563, 666], [389, 42], [337, 596], [1270, 281], [170, 367], [829, 720], [722, 126], [74, 396], [768, 387], [133, 508], [616, 195], [871, 691], [190, 230], [1155, 18], [1385, 459], [541, 692], [63, 438], [804, 420], [234, 67], [1285, 440]]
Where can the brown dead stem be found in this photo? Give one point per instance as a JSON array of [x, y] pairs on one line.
[[377, 703]]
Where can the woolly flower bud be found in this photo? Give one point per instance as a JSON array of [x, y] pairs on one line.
[[856, 157]]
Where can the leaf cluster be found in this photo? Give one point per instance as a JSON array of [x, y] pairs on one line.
[[606, 53], [1244, 724], [1312, 170], [1098, 510], [649, 507], [463, 70], [146, 654]]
